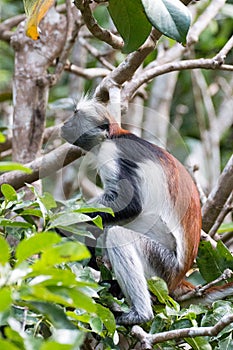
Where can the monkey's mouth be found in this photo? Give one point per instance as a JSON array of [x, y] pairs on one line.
[[68, 134]]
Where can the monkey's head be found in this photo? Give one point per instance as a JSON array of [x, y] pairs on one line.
[[89, 126]]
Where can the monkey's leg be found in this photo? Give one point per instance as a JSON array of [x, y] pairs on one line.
[[127, 262]]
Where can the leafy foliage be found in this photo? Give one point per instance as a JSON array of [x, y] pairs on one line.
[[48, 296], [134, 18], [48, 299], [127, 15]]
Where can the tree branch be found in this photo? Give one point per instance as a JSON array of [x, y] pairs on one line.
[[148, 340], [98, 32], [95, 53], [86, 73], [218, 196], [127, 68], [228, 207], [203, 20], [43, 166], [208, 63]]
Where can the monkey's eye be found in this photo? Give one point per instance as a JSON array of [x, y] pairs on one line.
[[104, 127]]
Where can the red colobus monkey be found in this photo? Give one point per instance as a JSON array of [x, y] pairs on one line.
[[157, 223]]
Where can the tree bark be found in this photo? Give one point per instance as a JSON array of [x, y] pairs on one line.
[[30, 92]]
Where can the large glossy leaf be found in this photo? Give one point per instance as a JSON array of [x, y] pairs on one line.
[[213, 261], [130, 21], [170, 17]]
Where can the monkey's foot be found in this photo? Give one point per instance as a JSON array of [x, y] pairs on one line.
[[133, 317]]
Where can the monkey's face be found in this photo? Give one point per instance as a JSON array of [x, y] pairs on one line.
[[84, 130]]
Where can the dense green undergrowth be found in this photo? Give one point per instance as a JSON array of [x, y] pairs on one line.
[[49, 298]]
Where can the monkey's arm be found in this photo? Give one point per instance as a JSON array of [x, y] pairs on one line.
[[122, 193]]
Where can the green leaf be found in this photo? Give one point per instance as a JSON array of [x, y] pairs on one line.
[[2, 138], [67, 339], [9, 192], [54, 313], [48, 201], [5, 251], [6, 345], [98, 209], [51, 345], [66, 219], [66, 296], [171, 17], [9, 223], [131, 22], [35, 244], [213, 261], [5, 299], [76, 231], [65, 252], [96, 325], [159, 288], [31, 211], [107, 318], [225, 344], [226, 227], [10, 166], [198, 343]]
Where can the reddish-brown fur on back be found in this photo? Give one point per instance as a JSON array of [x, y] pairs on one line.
[[186, 202]]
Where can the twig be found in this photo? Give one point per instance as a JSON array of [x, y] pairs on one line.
[[220, 57], [43, 166], [95, 53], [218, 197], [148, 340], [203, 21], [206, 237], [73, 27], [228, 207], [199, 291], [87, 73], [98, 32], [8, 25]]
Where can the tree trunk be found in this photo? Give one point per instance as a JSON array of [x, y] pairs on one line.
[[31, 86]]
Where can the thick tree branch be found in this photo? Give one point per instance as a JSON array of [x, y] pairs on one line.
[[42, 166], [218, 197], [148, 340], [51, 131], [148, 75], [127, 68]]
